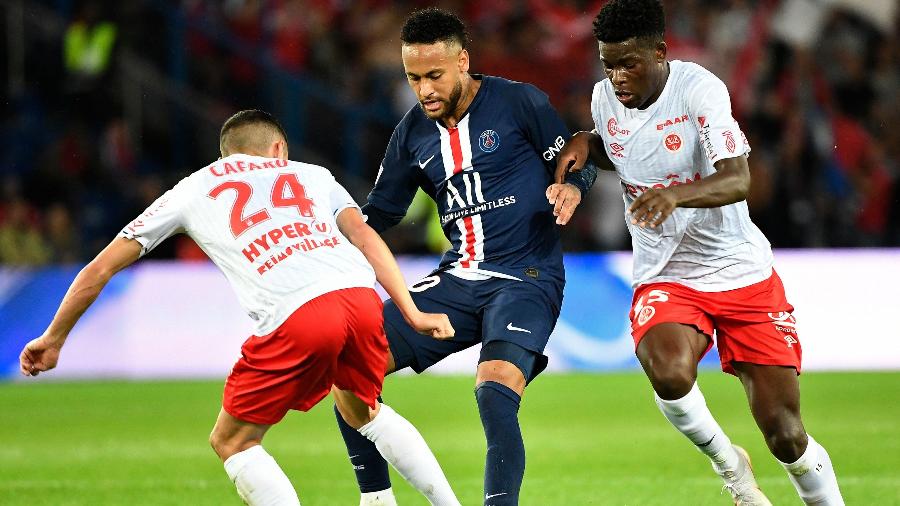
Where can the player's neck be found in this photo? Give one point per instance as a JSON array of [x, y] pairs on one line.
[[659, 88], [470, 88]]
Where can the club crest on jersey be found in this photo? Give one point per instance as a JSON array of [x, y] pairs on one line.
[[489, 141], [673, 142]]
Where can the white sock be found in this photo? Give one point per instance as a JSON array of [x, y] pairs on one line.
[[813, 476], [402, 445], [381, 498], [259, 479], [690, 415]]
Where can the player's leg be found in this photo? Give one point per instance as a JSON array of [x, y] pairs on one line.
[[672, 334], [518, 319], [499, 386], [369, 466], [669, 353], [774, 395], [289, 368], [758, 342], [258, 478], [439, 294], [399, 443]]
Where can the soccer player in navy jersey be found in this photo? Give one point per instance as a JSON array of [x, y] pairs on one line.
[[483, 148]]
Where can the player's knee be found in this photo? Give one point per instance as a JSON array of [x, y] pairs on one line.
[[672, 380], [785, 437], [500, 371], [220, 445]]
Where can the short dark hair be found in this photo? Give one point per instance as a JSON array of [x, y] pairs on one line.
[[246, 118], [427, 26], [620, 20]]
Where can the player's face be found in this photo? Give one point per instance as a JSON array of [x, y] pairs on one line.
[[434, 72], [637, 72]]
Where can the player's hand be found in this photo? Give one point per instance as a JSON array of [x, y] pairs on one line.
[[652, 207], [564, 198], [39, 355], [435, 325], [573, 156]]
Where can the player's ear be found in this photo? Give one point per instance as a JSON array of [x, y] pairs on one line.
[[661, 50], [282, 149], [463, 61]]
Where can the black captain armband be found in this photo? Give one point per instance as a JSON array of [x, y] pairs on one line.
[[379, 219], [583, 179]]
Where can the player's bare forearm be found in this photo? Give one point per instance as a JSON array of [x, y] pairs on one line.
[[388, 274], [583, 147], [87, 286], [598, 154], [379, 256], [42, 353], [729, 184]]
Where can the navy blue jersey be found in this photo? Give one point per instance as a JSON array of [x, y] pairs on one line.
[[488, 177]]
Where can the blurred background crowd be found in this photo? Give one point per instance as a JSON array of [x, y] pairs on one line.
[[107, 104]]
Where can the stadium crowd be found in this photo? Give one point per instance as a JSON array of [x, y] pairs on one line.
[[816, 90]]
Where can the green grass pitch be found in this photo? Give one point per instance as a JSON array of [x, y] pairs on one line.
[[590, 439]]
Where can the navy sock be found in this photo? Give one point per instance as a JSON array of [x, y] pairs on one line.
[[505, 463], [370, 467]]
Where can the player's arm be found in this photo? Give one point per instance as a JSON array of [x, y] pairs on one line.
[[548, 133], [729, 184], [723, 143], [395, 187], [42, 353], [351, 224], [583, 148]]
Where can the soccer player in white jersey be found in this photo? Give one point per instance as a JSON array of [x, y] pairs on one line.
[[294, 247], [701, 267]]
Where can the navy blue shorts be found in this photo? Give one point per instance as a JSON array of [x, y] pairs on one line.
[[512, 319]]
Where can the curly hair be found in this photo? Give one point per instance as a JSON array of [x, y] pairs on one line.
[[427, 26], [620, 20]]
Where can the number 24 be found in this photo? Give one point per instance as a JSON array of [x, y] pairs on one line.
[[240, 223]]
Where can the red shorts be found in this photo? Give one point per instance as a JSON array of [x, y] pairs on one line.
[[752, 324], [335, 339]]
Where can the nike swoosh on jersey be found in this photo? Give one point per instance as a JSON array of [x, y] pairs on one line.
[[509, 326], [486, 496], [423, 164]]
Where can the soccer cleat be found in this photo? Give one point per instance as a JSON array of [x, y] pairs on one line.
[[380, 498], [741, 483]]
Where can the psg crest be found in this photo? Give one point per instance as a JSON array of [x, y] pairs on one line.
[[489, 141]]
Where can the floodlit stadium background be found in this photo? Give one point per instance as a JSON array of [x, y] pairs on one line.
[[107, 104], [96, 127]]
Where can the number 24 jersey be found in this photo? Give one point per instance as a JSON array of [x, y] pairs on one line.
[[269, 225]]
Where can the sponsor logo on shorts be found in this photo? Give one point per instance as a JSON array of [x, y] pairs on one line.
[[784, 322], [509, 326]]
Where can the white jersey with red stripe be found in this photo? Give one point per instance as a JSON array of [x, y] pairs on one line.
[[676, 140], [269, 225], [487, 175]]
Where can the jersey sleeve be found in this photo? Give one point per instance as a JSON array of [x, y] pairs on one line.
[[339, 198], [162, 219], [710, 107], [396, 183], [541, 124]]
